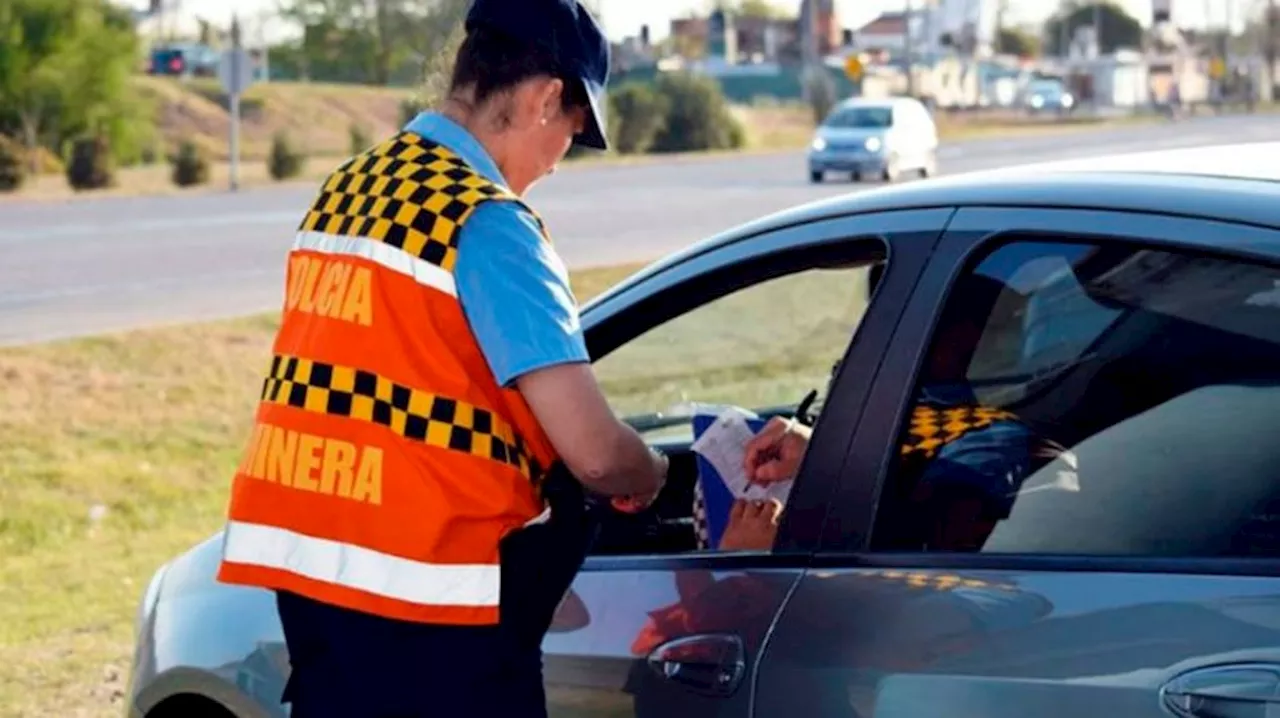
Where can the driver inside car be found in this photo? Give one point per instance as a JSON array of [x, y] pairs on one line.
[[964, 462]]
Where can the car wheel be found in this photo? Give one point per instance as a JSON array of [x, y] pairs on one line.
[[930, 167], [817, 177], [890, 173]]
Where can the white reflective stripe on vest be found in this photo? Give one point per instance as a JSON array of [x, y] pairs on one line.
[[361, 568], [381, 253]]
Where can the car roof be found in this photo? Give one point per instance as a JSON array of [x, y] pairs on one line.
[[1239, 183], [1230, 182], [873, 102]]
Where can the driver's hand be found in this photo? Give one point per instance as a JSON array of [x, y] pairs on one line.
[[753, 525], [775, 453]]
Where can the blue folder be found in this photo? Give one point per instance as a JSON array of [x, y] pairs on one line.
[[717, 498]]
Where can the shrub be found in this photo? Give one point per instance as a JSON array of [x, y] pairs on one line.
[[697, 117], [409, 109], [13, 165], [640, 113], [285, 160], [190, 165], [360, 139], [90, 166]]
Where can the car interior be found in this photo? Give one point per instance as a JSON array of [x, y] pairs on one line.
[[667, 527], [1179, 325]]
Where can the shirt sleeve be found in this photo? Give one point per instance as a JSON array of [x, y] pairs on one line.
[[515, 293]]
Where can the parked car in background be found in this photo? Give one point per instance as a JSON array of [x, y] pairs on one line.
[[868, 137], [183, 59], [1048, 95], [1127, 313]]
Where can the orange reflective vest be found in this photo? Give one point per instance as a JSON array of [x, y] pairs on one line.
[[386, 463]]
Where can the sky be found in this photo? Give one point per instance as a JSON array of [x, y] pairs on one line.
[[624, 17]]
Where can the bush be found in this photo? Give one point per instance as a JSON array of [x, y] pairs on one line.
[[640, 112], [285, 160], [360, 139], [90, 166], [190, 165], [698, 116], [13, 165], [409, 109]]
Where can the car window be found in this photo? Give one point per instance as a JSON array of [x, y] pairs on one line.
[[860, 118], [761, 347], [1095, 399]]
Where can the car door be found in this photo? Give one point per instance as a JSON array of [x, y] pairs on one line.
[[657, 624], [1062, 498]]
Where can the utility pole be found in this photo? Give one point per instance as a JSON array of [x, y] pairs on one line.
[[1064, 31], [1097, 27], [1269, 75], [908, 47], [236, 72]]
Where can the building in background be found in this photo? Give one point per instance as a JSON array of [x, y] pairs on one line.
[[933, 28]]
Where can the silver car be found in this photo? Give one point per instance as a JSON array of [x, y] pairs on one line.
[[1130, 317], [875, 137]]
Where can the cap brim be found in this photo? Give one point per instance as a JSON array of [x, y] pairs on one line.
[[593, 133]]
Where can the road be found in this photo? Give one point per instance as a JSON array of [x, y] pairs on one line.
[[96, 265]]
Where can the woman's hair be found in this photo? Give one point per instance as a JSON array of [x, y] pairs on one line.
[[490, 63]]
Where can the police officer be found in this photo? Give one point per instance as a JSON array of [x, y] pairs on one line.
[[404, 491]]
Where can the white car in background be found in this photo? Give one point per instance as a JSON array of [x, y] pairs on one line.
[[884, 137]]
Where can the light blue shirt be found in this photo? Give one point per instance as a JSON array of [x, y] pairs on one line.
[[513, 287]]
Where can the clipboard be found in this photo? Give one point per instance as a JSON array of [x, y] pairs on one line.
[[714, 498]]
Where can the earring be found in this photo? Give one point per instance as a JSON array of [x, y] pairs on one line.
[[544, 121]]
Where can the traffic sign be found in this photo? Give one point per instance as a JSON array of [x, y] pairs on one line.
[[235, 70], [1217, 68], [853, 67]]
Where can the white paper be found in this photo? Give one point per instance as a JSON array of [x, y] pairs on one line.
[[724, 446]]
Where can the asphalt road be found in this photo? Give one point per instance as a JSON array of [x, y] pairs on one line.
[[90, 266]]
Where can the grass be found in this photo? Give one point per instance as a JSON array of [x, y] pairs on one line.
[[116, 453]]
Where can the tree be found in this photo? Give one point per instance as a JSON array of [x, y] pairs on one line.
[[1118, 29], [64, 72], [373, 41], [755, 8], [1016, 41]]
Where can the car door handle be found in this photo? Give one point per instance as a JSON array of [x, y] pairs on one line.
[[712, 664], [1228, 691]]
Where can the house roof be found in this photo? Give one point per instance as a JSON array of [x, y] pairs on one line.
[[889, 23]]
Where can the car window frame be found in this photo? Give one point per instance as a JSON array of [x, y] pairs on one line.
[[908, 236], [973, 232]]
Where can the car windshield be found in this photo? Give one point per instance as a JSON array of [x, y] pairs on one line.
[[1045, 86], [860, 117]]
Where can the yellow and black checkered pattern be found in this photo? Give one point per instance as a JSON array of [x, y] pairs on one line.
[[408, 192], [413, 414], [933, 427]]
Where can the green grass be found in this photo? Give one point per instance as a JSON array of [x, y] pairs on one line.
[[116, 454]]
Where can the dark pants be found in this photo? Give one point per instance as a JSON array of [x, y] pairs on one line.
[[348, 664]]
